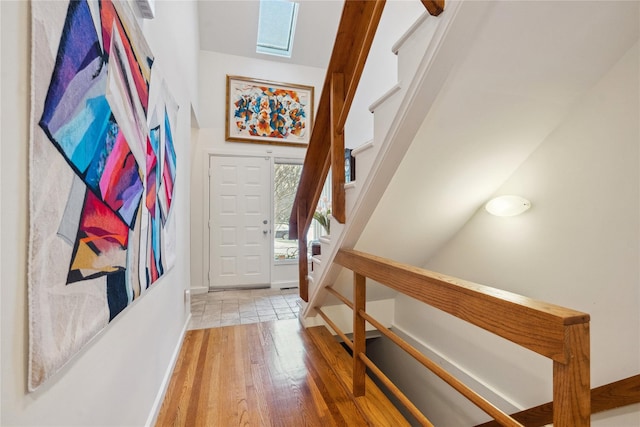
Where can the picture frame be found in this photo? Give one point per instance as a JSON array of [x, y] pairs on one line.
[[267, 112], [349, 166]]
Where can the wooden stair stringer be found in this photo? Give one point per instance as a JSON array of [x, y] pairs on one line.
[[374, 405]]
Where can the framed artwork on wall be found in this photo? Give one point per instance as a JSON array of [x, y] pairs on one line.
[[349, 166], [266, 112]]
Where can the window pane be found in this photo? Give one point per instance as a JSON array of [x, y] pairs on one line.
[[286, 179], [276, 26]]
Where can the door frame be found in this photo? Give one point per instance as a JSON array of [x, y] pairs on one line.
[[207, 214], [272, 153]]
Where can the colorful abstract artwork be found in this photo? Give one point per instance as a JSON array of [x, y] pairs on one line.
[[268, 112], [102, 175]]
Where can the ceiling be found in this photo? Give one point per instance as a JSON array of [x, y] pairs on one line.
[[231, 27]]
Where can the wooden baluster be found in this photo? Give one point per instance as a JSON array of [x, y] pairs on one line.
[[337, 149], [571, 383], [359, 340], [303, 262]]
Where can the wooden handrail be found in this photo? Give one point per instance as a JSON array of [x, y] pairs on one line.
[[359, 18], [555, 332], [358, 25], [359, 356], [535, 325], [610, 396], [357, 28]]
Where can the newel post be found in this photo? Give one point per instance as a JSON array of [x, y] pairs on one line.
[[359, 340], [571, 380]]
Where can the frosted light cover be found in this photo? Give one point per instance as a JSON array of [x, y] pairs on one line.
[[507, 205]]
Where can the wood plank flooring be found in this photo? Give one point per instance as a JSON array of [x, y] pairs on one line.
[[262, 374]]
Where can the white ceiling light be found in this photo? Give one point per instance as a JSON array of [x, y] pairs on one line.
[[507, 205]]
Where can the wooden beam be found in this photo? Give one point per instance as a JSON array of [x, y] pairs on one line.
[[338, 205], [435, 7], [604, 398], [533, 324]]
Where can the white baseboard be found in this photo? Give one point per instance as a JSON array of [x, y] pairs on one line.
[[275, 285], [199, 290], [284, 284], [157, 404]]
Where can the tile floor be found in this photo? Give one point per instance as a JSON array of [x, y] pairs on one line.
[[235, 307]]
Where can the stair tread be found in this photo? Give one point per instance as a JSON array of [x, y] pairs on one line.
[[374, 405]]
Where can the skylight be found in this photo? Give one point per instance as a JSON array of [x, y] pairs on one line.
[[276, 26]]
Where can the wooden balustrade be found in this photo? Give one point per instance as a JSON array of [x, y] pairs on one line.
[[558, 333], [357, 28], [358, 23]]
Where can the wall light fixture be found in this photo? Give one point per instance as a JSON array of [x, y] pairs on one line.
[[507, 205]]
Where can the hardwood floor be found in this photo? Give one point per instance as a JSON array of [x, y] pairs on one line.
[[262, 374]]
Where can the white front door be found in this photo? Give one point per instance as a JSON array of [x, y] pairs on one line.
[[239, 228]]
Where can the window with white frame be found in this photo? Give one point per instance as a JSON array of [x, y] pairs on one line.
[[286, 176], [276, 27]]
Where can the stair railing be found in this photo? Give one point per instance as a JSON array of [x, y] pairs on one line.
[[357, 28], [558, 333]]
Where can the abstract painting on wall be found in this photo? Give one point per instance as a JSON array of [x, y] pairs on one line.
[[266, 112], [102, 175]]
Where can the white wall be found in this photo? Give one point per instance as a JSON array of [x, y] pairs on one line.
[[174, 38], [578, 246], [214, 67], [116, 379]]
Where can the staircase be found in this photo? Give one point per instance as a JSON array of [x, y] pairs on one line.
[[426, 54]]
